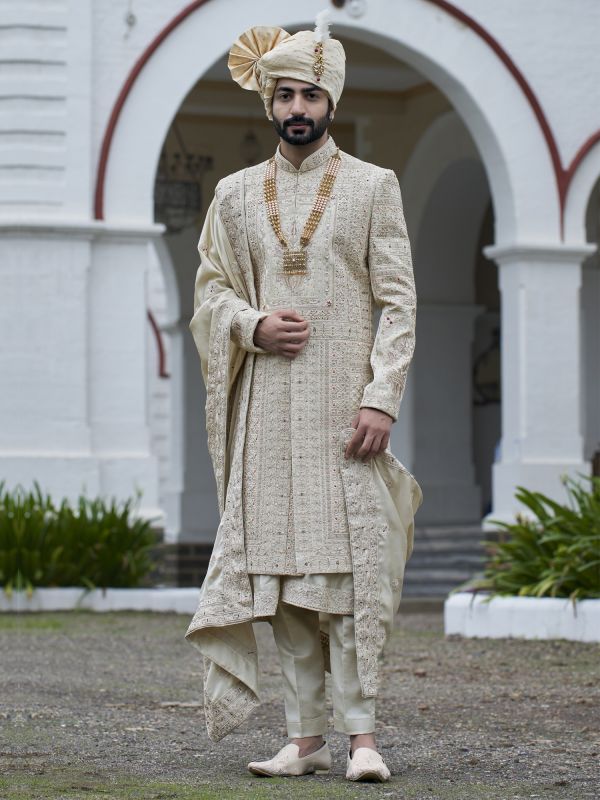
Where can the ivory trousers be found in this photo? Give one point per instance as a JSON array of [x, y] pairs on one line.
[[298, 640]]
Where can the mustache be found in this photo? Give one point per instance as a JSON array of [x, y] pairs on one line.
[[298, 121]]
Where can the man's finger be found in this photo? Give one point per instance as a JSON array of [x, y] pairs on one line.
[[289, 314], [366, 445], [289, 347], [376, 447], [295, 338], [294, 326], [354, 443]]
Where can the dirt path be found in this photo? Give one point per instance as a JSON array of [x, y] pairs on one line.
[[109, 706]]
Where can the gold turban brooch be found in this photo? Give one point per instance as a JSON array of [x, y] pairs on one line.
[[262, 55]]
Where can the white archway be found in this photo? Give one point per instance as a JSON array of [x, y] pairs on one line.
[[490, 102], [580, 229], [501, 120]]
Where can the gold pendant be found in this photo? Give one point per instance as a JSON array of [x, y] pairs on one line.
[[295, 262]]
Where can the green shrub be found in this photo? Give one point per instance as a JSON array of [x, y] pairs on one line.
[[553, 552], [94, 543]]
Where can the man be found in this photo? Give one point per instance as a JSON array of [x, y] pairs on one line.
[[316, 513]]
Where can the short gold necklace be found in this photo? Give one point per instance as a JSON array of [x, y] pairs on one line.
[[295, 261]]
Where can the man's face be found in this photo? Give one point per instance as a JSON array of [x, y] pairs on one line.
[[300, 111]]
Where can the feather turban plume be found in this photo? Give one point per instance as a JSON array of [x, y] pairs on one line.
[[262, 55]]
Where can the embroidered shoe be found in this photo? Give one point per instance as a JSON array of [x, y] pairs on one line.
[[287, 762], [366, 765]]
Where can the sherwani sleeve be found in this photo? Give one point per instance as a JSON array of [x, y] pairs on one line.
[[215, 287], [392, 284]]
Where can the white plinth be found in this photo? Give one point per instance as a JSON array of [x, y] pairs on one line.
[[180, 601], [472, 616]]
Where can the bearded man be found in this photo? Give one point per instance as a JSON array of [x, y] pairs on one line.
[[316, 513]]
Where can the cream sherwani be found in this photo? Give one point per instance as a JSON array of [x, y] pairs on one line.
[[300, 522]]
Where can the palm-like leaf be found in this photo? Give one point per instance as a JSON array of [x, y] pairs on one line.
[[554, 552]]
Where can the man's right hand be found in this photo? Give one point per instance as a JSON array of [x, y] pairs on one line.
[[284, 333]]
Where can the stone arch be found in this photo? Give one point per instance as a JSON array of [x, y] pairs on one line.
[[494, 107], [502, 122]]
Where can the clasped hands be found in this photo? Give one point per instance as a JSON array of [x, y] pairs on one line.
[[286, 333]]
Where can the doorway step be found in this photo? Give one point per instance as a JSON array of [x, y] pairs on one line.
[[444, 557]]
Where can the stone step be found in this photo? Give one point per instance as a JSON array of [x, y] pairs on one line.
[[438, 592], [438, 575], [451, 539], [445, 557], [450, 564]]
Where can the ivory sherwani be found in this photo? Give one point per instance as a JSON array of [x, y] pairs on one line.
[[291, 504], [294, 514]]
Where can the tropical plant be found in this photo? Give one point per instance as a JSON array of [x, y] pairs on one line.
[[95, 543], [553, 550]]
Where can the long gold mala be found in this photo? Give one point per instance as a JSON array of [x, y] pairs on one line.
[[295, 261]]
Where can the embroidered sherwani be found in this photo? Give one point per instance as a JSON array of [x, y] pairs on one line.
[[299, 522]]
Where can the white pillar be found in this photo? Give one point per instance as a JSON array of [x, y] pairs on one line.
[[199, 512], [73, 400], [44, 427], [117, 365], [541, 371], [590, 307], [443, 421]]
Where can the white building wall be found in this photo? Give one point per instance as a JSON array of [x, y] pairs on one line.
[[76, 409]]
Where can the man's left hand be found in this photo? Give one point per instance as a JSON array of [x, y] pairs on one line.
[[372, 434]]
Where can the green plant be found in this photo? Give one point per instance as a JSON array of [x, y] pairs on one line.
[[554, 551], [95, 543]]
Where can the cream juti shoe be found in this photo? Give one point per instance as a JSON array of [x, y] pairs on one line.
[[287, 762], [366, 765]]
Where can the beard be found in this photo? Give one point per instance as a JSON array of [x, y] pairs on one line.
[[316, 129]]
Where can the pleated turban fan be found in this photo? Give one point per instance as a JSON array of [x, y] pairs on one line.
[[262, 55]]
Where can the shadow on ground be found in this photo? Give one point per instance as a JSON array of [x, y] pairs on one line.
[[109, 706]]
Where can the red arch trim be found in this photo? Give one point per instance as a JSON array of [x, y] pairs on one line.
[[158, 337], [578, 158], [563, 175], [120, 102]]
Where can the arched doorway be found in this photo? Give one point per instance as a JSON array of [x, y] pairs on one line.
[[425, 44]]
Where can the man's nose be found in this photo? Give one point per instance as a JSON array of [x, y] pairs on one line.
[[298, 108]]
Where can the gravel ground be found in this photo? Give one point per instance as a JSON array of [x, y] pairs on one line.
[[109, 706]]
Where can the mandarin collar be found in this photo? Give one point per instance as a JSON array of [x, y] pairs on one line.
[[316, 159]]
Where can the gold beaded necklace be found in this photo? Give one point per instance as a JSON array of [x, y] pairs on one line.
[[295, 261]]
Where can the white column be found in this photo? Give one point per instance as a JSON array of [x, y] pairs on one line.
[[44, 427], [193, 513], [541, 371], [199, 512], [117, 365], [443, 414], [73, 400], [590, 306]]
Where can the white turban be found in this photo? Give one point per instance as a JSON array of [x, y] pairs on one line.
[[261, 55]]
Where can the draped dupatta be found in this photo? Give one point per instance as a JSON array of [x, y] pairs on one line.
[[381, 497]]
